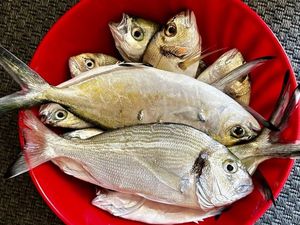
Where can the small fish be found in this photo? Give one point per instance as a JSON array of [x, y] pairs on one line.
[[179, 161], [176, 46], [116, 96], [57, 116], [132, 36], [87, 61]]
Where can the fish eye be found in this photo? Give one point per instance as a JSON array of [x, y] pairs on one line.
[[137, 33], [230, 166], [60, 114], [238, 131], [89, 63], [171, 30]]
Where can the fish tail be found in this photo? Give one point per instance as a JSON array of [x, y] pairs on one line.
[[284, 108], [38, 146], [31, 83]]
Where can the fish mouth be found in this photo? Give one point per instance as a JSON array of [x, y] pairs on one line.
[[118, 28], [115, 32], [244, 189], [74, 67]]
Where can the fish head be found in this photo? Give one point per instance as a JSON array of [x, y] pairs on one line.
[[82, 63], [221, 178], [236, 126], [181, 32], [54, 115], [132, 36]]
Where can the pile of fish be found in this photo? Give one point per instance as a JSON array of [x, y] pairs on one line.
[[165, 138]]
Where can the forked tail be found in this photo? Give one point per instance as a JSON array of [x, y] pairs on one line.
[[31, 83]]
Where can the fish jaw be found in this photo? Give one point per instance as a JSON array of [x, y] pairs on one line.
[[74, 67]]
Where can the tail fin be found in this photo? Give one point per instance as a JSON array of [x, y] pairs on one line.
[[31, 83], [240, 72], [17, 168], [284, 109], [38, 148]]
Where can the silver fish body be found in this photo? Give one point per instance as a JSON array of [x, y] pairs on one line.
[[88, 61], [132, 36], [130, 94], [176, 43], [187, 167], [56, 115]]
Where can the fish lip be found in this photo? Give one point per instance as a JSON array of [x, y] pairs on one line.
[[115, 32], [115, 27], [73, 65], [244, 189]]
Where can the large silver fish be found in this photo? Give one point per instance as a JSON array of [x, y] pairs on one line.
[[167, 163], [67, 119], [123, 95], [87, 61], [132, 36], [176, 44]]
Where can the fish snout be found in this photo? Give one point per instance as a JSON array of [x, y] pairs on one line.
[[245, 187], [116, 32]]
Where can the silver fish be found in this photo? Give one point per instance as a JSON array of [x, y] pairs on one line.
[[87, 61], [57, 116], [179, 161], [132, 36], [132, 94], [177, 43]]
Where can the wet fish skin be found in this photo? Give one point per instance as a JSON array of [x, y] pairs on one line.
[[57, 116], [132, 36], [150, 161], [177, 42], [77, 64], [87, 61], [230, 60], [137, 208], [129, 95]]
